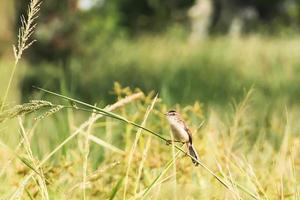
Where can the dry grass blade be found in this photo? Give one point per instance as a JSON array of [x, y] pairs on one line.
[[141, 166], [86, 150], [105, 144], [137, 136], [174, 166]]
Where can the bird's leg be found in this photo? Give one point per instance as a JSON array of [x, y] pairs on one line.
[[179, 141], [185, 154], [168, 142]]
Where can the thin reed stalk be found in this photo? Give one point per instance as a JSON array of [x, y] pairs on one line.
[[86, 151], [174, 167], [141, 166]]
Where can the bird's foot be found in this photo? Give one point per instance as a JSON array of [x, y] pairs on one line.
[[168, 142], [184, 155]]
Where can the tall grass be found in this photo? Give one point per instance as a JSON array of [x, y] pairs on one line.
[[225, 177], [241, 162], [119, 152]]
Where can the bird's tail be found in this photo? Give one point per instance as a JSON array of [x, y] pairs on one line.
[[193, 152]]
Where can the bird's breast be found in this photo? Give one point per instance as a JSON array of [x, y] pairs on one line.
[[179, 132]]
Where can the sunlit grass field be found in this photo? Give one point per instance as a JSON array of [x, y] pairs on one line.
[[71, 154], [239, 96]]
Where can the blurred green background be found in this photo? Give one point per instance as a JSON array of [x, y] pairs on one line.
[[186, 50]]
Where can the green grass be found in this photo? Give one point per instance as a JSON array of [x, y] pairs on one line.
[[261, 157], [247, 139]]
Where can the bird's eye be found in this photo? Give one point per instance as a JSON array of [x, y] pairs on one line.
[[171, 113]]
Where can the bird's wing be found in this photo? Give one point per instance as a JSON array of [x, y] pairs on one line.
[[187, 130]]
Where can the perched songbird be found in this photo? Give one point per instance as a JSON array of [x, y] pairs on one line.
[[181, 132]]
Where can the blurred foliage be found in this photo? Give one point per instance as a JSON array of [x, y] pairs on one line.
[[183, 73], [144, 44]]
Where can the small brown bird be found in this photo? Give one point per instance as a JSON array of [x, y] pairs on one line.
[[181, 132]]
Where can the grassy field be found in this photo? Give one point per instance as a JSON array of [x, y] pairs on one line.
[[72, 156], [239, 96]]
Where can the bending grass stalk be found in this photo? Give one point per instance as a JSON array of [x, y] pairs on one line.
[[133, 149], [113, 115], [101, 111]]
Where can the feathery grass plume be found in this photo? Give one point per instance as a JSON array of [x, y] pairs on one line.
[[25, 108], [25, 32], [27, 29], [53, 110]]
